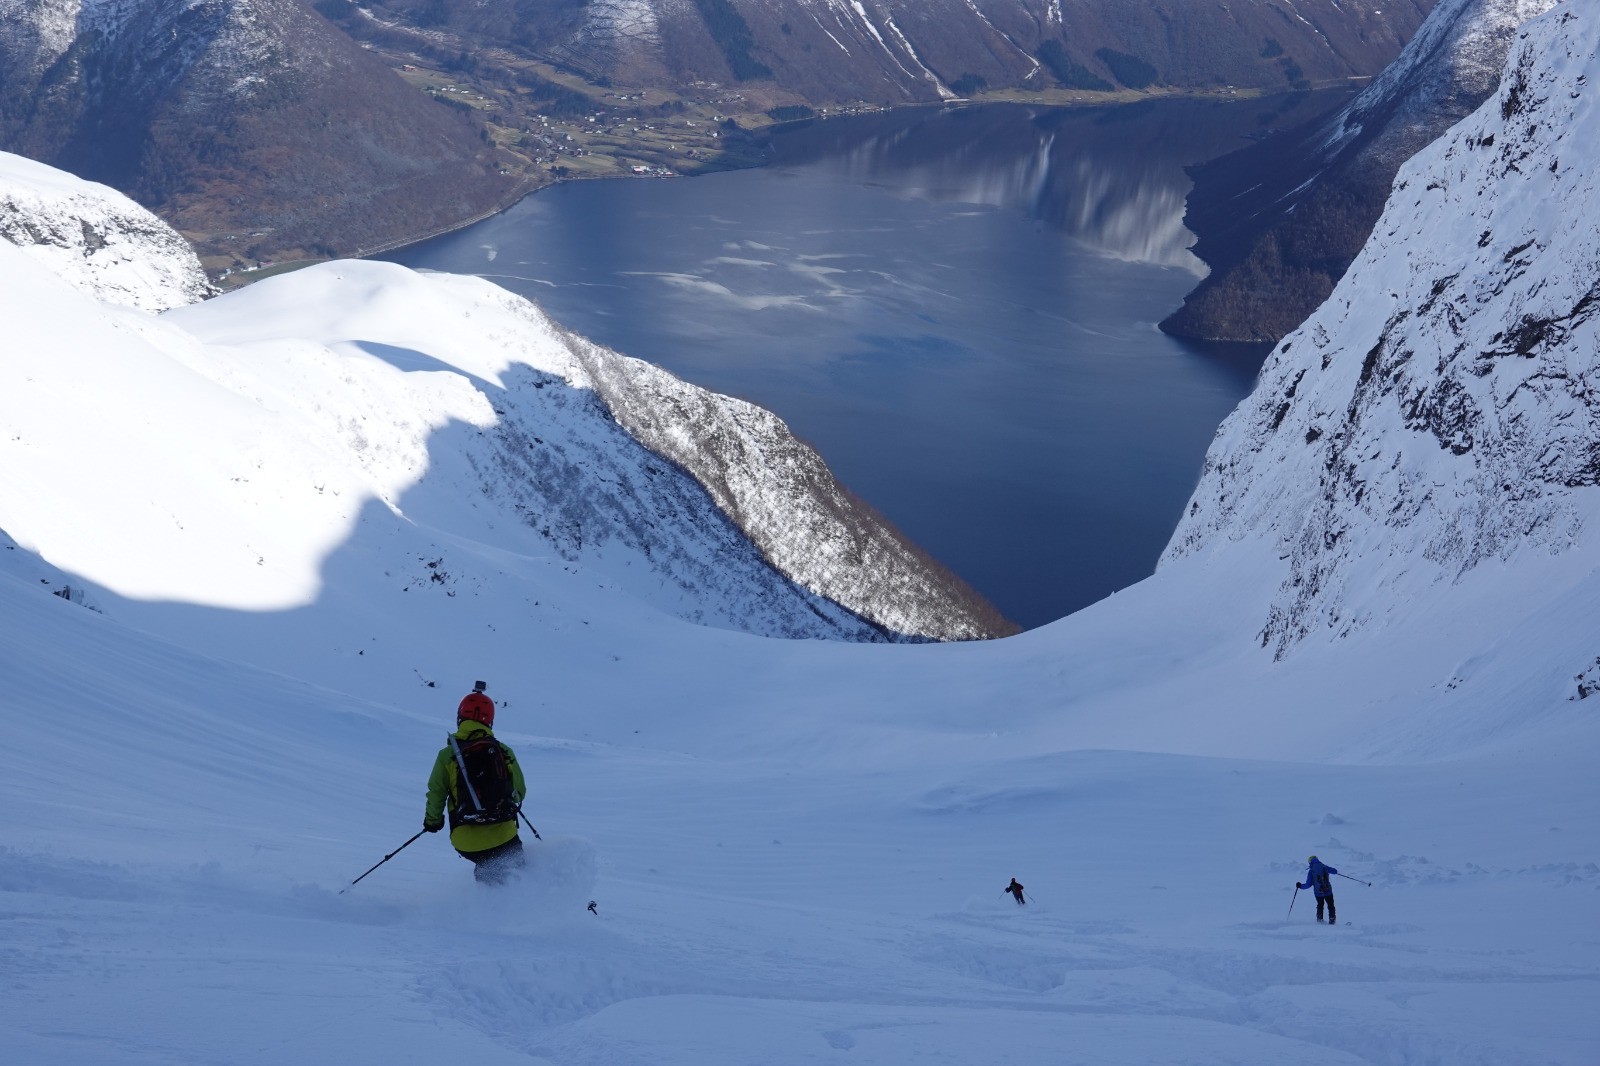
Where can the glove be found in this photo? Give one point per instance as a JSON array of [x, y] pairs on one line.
[[432, 827]]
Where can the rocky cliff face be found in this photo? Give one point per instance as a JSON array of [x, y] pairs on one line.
[[1440, 412], [253, 126], [96, 238], [896, 51], [1279, 222]]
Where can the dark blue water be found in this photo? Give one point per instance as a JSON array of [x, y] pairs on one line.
[[957, 309]]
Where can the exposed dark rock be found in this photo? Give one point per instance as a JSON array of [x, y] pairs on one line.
[[1280, 222], [899, 51], [253, 126]]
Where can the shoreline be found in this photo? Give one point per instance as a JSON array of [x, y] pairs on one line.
[[1062, 99]]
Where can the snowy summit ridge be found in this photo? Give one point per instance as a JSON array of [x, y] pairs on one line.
[[1439, 411]]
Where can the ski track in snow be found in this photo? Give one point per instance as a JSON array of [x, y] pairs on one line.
[[744, 908]]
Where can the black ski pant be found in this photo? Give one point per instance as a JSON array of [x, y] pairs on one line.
[[494, 865], [1328, 899]]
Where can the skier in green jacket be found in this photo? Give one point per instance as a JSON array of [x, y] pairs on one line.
[[476, 780]]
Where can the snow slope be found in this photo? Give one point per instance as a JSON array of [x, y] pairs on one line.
[[797, 848], [1452, 63], [314, 394], [274, 452], [801, 862], [96, 238], [1435, 420]]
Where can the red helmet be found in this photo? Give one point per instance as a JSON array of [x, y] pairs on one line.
[[477, 707]]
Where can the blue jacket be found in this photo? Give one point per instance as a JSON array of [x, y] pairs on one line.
[[1317, 877]]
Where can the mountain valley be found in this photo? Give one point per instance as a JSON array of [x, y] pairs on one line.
[[256, 545]]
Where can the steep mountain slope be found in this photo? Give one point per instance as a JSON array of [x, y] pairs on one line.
[[96, 238], [251, 125], [1279, 222], [895, 51], [371, 362], [1437, 415], [782, 495]]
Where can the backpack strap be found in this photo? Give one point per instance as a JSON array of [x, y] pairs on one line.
[[461, 765]]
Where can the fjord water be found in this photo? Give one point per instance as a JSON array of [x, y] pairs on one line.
[[957, 308]]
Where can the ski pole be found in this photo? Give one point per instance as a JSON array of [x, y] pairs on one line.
[[1357, 880], [1291, 901], [381, 861], [531, 829]]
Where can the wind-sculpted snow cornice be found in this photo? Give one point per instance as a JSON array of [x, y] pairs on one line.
[[1442, 408]]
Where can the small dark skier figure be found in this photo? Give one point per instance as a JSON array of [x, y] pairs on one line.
[[476, 782], [1320, 878], [1015, 888]]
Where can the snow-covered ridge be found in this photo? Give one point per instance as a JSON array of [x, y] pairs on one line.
[[1438, 414], [240, 452], [780, 492], [96, 238], [355, 380]]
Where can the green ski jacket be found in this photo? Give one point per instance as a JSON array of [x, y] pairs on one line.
[[444, 792]]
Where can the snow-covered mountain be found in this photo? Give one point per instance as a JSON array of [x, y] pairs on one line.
[[1437, 415], [782, 495], [1445, 71], [96, 238], [1279, 222], [368, 362], [252, 126], [897, 51], [797, 849]]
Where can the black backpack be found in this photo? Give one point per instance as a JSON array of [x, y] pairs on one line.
[[486, 794]]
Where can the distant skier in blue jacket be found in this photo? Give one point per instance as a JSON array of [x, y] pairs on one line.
[[1320, 878]]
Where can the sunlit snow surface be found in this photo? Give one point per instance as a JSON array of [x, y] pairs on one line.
[[797, 848], [96, 237]]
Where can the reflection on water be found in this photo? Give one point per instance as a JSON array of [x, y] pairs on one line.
[[1111, 178], [957, 308]]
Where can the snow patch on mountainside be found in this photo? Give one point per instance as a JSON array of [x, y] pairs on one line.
[[1439, 415], [96, 238], [37, 32], [629, 19]]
